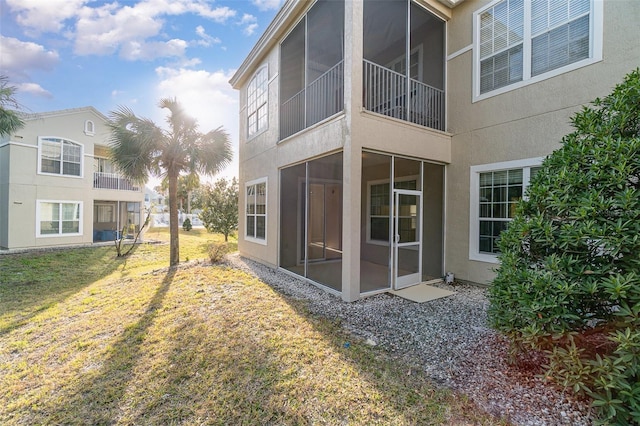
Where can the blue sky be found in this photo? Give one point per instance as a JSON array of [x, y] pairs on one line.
[[63, 54]]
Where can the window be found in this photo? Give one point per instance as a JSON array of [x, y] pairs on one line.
[[256, 210], [518, 42], [105, 213], [58, 218], [89, 128], [379, 211], [257, 102], [495, 191], [60, 157], [103, 165]]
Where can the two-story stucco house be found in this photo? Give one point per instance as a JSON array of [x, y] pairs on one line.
[[57, 185], [385, 142]]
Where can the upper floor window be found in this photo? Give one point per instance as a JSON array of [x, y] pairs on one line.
[[519, 42], [59, 156], [103, 165], [257, 102], [89, 128]]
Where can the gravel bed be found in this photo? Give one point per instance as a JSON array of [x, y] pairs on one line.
[[448, 338]]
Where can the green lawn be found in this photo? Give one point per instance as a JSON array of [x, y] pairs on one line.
[[88, 338]]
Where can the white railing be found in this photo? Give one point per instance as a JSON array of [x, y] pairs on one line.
[[385, 92], [103, 180], [322, 98], [325, 95], [292, 115]]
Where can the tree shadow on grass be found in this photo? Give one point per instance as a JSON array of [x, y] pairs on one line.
[[230, 363], [404, 386], [33, 282], [96, 398]]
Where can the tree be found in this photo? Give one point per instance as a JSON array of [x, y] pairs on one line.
[[186, 185], [220, 207], [140, 148], [10, 120], [569, 279]]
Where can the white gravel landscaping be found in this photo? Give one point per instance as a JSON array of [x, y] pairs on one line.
[[448, 338]]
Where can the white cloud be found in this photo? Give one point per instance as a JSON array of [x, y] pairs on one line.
[[250, 29], [267, 4], [34, 89], [19, 57], [134, 50], [207, 40], [99, 31], [206, 96], [41, 16], [250, 22], [110, 27]]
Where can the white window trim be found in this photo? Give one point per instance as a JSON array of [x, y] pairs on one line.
[[266, 102], [89, 128], [370, 183], [40, 172], [59, 235], [595, 51], [474, 202], [266, 215]]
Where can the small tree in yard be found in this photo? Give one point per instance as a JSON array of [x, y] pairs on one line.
[[220, 207], [569, 279]]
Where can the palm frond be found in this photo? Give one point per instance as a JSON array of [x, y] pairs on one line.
[[214, 152], [134, 144], [10, 120]]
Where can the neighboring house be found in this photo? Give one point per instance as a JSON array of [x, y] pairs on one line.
[[383, 143], [57, 185], [154, 200]]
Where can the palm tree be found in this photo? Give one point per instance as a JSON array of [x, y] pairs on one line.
[[140, 148], [9, 119]]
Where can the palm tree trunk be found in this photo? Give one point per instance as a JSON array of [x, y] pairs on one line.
[[174, 247]]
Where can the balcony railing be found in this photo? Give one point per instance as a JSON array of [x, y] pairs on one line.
[[323, 98], [103, 180], [385, 92]]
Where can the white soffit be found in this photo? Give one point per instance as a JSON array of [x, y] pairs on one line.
[[451, 3]]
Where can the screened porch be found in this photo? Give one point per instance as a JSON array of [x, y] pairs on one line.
[[403, 67]]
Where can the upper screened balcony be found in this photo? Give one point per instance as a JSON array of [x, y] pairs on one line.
[[403, 74], [311, 68]]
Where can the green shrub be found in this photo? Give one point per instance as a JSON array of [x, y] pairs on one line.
[[569, 279], [186, 225]]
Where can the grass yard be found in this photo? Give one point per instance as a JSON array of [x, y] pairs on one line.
[[87, 338]]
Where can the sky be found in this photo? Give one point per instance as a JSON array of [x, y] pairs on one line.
[[63, 54]]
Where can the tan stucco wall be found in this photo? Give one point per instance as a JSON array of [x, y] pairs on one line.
[[523, 123], [24, 186]]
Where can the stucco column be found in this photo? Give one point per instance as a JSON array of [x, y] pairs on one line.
[[352, 159]]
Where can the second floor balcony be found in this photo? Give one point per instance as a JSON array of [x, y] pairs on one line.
[[394, 95], [403, 66], [103, 180]]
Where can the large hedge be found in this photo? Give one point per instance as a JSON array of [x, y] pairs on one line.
[[569, 279]]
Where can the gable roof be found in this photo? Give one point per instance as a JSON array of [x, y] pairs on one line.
[[70, 111]]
